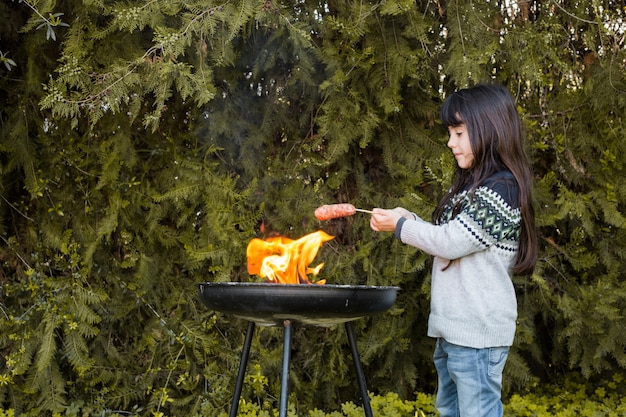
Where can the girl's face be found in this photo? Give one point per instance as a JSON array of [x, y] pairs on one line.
[[459, 142]]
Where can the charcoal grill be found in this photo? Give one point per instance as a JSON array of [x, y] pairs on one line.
[[269, 304]]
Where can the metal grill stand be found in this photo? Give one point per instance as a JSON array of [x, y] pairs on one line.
[[268, 304], [284, 383]]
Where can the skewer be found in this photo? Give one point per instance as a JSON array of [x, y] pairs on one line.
[[365, 211]]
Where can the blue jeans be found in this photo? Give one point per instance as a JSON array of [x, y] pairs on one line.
[[470, 380]]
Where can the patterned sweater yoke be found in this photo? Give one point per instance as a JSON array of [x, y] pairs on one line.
[[491, 213]]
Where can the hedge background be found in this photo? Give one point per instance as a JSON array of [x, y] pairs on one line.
[[144, 144]]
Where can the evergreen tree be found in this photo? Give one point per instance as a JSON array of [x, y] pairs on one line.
[[144, 144]]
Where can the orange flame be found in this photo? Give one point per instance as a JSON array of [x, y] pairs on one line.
[[286, 261]]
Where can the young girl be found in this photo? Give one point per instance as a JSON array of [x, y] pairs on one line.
[[482, 232]]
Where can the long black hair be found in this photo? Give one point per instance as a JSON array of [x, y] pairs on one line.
[[496, 136]]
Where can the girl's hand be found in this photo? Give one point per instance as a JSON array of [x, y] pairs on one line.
[[386, 220], [404, 212]]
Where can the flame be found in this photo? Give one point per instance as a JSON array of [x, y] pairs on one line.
[[286, 261]]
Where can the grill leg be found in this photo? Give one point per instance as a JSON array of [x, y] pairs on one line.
[[284, 383], [243, 363], [359, 370]]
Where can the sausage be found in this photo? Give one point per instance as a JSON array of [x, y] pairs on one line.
[[333, 211]]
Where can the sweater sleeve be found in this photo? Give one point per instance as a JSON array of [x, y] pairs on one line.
[[449, 241], [485, 219]]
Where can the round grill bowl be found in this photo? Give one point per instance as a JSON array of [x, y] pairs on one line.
[[270, 304]]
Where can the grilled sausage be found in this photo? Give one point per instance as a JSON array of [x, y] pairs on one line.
[[333, 211]]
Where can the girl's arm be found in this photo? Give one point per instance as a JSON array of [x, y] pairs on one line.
[[486, 220], [451, 240]]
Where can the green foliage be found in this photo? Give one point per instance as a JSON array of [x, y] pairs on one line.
[[572, 398], [143, 149], [8, 62]]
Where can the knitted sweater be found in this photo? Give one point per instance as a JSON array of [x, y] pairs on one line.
[[473, 301]]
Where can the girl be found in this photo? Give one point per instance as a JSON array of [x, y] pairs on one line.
[[482, 232]]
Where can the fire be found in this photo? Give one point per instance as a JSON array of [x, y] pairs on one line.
[[286, 261]]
